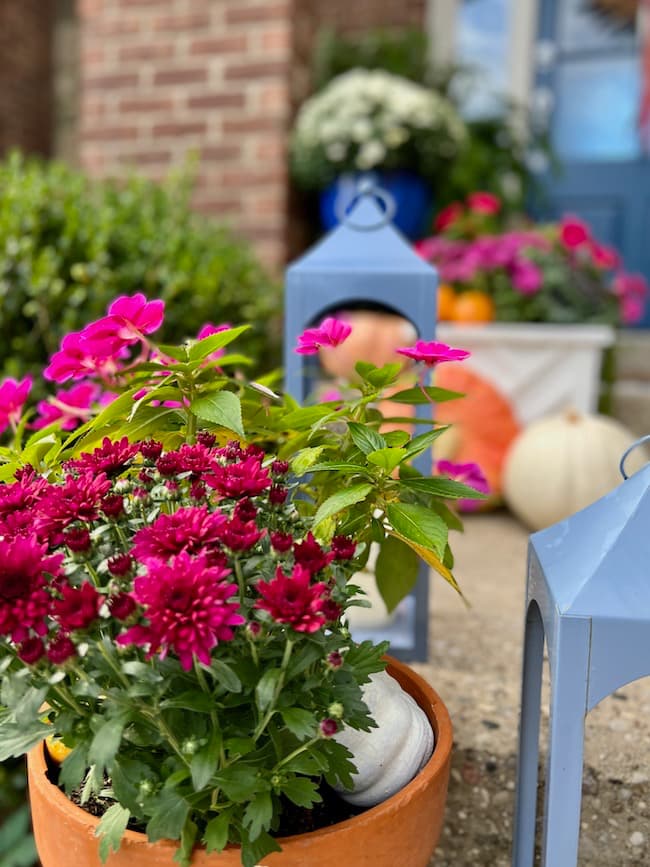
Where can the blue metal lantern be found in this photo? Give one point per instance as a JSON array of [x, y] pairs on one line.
[[588, 593], [364, 263]]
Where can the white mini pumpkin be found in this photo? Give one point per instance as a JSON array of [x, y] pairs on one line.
[[563, 463], [391, 755]]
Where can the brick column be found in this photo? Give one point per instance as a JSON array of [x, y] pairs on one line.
[[25, 76], [163, 79]]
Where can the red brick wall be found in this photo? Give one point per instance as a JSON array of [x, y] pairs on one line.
[[350, 17], [161, 79], [25, 75]]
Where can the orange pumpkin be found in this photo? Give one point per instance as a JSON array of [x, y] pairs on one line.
[[375, 336], [473, 306], [446, 302], [484, 424]]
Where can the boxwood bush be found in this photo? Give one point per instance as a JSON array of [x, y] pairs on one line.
[[68, 246]]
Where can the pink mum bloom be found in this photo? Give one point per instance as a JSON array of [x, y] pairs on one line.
[[448, 216], [79, 499], [469, 474], [129, 319], [246, 478], [526, 277], [294, 600], [186, 603], [193, 530], [110, 458], [433, 353], [331, 332], [13, 396], [78, 608], [24, 598], [573, 232], [69, 407]]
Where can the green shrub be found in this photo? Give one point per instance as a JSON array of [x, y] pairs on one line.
[[69, 246]]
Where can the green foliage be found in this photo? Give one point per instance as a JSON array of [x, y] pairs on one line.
[[69, 246], [17, 847]]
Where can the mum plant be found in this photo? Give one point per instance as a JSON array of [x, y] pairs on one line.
[[552, 272], [368, 119], [175, 571]]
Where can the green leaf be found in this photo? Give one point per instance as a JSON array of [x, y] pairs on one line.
[[432, 560], [364, 369], [16, 842], [106, 742], [342, 500], [202, 348], [73, 769], [239, 782], [448, 489], [222, 408], [364, 438], [169, 817], [225, 675], [179, 353], [422, 442], [387, 459], [258, 815], [253, 851], [216, 832], [383, 376], [17, 740], [204, 762], [266, 688], [183, 854], [305, 417], [306, 459], [111, 829], [302, 792], [396, 571], [341, 466], [419, 525], [433, 394], [396, 438], [300, 722], [200, 702], [239, 746], [126, 776]]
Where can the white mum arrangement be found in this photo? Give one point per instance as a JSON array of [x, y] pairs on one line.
[[369, 119]]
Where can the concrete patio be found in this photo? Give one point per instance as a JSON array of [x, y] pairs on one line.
[[475, 664]]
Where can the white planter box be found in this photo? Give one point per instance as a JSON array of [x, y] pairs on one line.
[[541, 369]]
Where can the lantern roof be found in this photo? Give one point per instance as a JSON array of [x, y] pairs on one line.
[[597, 562], [365, 241]]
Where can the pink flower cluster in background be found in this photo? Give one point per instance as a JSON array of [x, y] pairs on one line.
[[556, 272]]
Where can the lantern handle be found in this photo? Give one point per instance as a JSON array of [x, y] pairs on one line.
[[627, 451], [366, 187]]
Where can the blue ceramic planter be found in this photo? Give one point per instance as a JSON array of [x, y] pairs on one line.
[[412, 196]]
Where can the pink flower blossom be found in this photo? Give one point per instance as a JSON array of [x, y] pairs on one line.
[[603, 256], [484, 203], [110, 458], [193, 530], [240, 535], [78, 607], [24, 598], [208, 330], [60, 649], [246, 478], [331, 332], [310, 555], [69, 406], [293, 599], [77, 499], [433, 353], [469, 474], [448, 216], [13, 396], [526, 277], [77, 359], [129, 319], [573, 232], [186, 604]]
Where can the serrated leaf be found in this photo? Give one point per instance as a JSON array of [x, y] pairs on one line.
[[364, 438], [253, 851], [216, 832], [387, 459], [73, 769], [448, 489], [396, 571], [169, 817], [126, 776], [222, 408], [419, 525], [204, 762], [106, 742], [300, 722], [15, 740], [183, 854], [342, 500], [302, 792], [111, 829], [433, 394], [202, 348], [258, 815], [239, 782]]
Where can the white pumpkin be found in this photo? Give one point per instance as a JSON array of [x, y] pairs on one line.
[[563, 463], [389, 756]]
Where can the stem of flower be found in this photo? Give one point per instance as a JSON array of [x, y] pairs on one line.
[[113, 665], [278, 689], [69, 700], [240, 579], [295, 753]]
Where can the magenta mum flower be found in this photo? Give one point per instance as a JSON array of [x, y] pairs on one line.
[[573, 232], [13, 396], [433, 353], [294, 600], [24, 598], [78, 608], [484, 203], [331, 332], [110, 458], [188, 609], [193, 530], [246, 478], [78, 499], [310, 555]]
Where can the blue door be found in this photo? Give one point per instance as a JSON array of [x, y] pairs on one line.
[[587, 94]]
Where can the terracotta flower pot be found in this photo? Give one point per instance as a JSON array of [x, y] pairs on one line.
[[402, 830]]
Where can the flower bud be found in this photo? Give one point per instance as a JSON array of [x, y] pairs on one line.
[[328, 727], [334, 661], [336, 710]]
